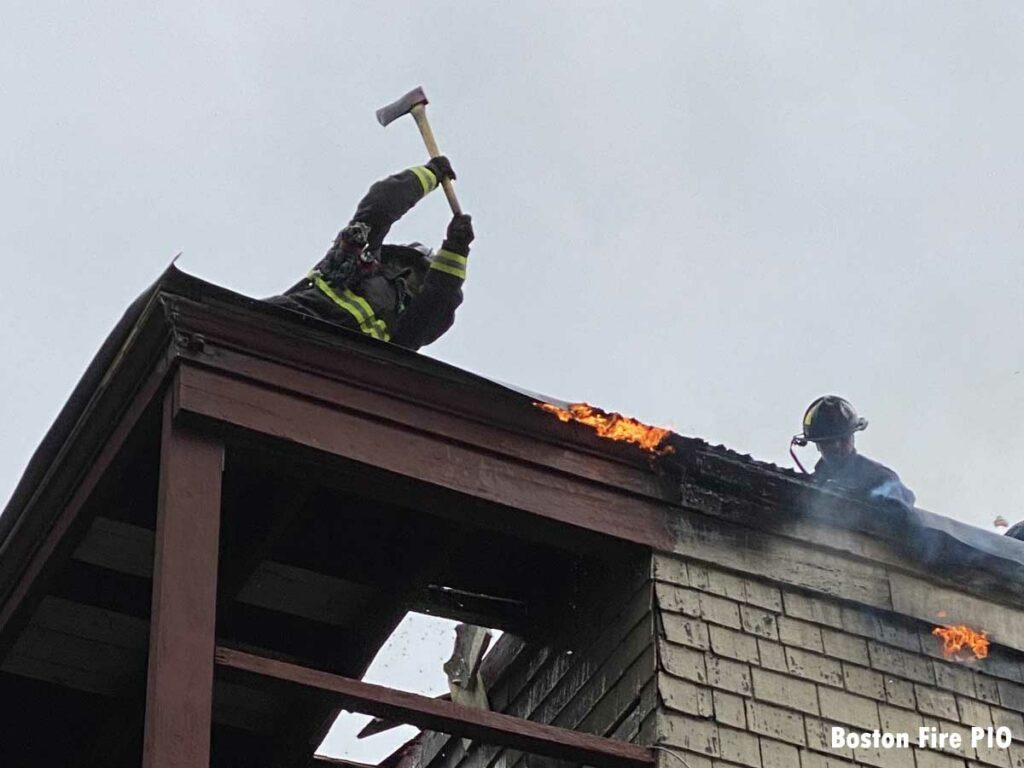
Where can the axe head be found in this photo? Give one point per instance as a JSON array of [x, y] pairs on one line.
[[404, 105]]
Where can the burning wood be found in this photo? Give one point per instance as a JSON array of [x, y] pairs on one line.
[[613, 426], [960, 638]]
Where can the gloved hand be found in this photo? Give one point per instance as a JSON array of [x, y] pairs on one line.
[[354, 236], [441, 168], [459, 235]]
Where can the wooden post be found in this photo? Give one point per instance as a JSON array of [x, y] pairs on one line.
[[179, 690]]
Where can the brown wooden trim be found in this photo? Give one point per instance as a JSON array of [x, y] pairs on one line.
[[443, 417], [422, 456], [436, 715], [179, 692], [32, 583], [246, 343]]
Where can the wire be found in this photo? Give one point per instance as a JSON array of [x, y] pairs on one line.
[[673, 753]]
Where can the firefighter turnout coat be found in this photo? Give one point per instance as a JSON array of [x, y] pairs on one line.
[[863, 477], [386, 300]]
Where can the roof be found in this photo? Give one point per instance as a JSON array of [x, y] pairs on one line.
[[297, 578], [700, 461], [186, 333]]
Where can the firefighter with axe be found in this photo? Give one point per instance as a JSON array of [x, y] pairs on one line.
[[405, 294]]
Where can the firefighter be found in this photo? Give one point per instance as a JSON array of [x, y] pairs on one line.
[[830, 423], [405, 294], [1013, 531]]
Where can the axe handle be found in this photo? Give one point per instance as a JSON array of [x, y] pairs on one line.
[[419, 114]]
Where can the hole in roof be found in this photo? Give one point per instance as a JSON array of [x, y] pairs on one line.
[[411, 659]]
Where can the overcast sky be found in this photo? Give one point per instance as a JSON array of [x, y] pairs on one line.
[[703, 214]]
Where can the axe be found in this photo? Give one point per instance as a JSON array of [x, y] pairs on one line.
[[415, 103]]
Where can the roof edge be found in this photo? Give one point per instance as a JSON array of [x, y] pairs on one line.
[[91, 384]]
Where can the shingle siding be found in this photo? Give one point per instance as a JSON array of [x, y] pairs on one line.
[[755, 671], [605, 686], [745, 649]]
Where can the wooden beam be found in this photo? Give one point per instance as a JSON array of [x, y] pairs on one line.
[[179, 691], [209, 397], [128, 549], [401, 387], [118, 546], [473, 608], [307, 594], [256, 517], [100, 587], [436, 715], [312, 723], [74, 662]]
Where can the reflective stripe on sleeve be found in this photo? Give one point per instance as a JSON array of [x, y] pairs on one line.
[[451, 263], [427, 178], [356, 306]]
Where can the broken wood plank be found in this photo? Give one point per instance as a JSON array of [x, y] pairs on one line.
[[463, 668]]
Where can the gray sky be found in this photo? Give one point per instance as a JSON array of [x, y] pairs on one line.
[[411, 660], [703, 214]]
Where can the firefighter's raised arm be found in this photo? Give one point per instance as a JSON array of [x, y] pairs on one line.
[[432, 311], [391, 198]]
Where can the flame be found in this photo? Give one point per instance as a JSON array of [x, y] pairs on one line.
[[960, 637], [613, 426]]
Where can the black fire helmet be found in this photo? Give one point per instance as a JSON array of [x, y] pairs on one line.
[[829, 418]]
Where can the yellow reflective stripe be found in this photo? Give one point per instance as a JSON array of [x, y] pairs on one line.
[[455, 259], [373, 325], [459, 273], [450, 263], [324, 286], [356, 306], [360, 302], [427, 178], [354, 310]]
